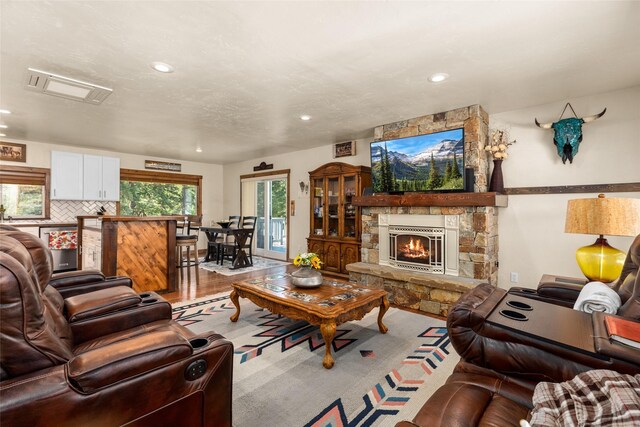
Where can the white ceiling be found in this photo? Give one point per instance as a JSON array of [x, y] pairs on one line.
[[246, 71]]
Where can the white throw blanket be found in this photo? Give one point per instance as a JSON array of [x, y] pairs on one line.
[[596, 296]]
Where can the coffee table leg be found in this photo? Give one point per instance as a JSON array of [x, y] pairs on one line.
[[384, 306], [328, 332], [236, 301]]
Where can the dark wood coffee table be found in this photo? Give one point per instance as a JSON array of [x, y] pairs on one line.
[[329, 305]]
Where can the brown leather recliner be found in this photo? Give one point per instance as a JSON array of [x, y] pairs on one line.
[[69, 283], [566, 294], [493, 384], [98, 358]]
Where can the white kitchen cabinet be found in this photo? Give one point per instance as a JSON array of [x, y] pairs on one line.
[[111, 178], [101, 178], [66, 176]]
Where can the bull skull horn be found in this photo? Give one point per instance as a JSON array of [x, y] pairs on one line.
[[594, 117], [548, 125]]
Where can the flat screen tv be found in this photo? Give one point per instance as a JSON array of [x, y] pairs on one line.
[[429, 163]]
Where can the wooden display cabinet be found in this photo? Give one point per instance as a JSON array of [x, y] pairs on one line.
[[335, 221]]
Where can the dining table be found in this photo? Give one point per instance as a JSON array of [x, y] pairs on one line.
[[240, 236]]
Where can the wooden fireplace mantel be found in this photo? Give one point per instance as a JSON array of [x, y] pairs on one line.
[[433, 199]]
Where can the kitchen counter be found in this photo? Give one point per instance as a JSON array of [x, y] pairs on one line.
[[40, 224]]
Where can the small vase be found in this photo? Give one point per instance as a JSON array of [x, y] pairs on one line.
[[306, 277], [497, 184]]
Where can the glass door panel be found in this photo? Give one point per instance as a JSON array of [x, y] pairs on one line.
[[333, 192], [349, 212], [269, 197], [318, 206]]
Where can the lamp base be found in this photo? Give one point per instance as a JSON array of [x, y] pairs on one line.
[[600, 262]]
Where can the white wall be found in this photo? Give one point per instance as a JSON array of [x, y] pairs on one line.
[[300, 163], [39, 155], [532, 239]]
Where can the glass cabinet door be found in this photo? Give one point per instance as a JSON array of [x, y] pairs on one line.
[[318, 206], [333, 205], [349, 210]]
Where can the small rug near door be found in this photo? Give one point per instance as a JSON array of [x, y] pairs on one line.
[[278, 378], [259, 263]]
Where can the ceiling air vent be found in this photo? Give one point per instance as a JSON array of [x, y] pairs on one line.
[[64, 87]]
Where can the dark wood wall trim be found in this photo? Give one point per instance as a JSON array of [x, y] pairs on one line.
[[567, 189], [433, 199], [261, 174]]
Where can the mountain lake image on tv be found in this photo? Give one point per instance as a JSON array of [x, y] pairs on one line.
[[433, 162]]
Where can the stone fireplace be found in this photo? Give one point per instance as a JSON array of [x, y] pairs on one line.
[[457, 232]]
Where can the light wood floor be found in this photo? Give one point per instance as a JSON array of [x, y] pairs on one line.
[[212, 283]]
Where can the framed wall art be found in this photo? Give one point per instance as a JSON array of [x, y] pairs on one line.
[[13, 152], [344, 149]]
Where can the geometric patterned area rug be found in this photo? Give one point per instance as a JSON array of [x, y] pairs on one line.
[[259, 263], [278, 378]]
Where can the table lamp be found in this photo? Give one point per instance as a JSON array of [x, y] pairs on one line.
[[601, 216]]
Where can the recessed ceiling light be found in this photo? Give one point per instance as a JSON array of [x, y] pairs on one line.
[[198, 150], [162, 67], [2, 134], [3, 126], [5, 112], [438, 77], [305, 117]]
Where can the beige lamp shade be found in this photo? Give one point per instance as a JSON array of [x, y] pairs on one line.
[[603, 216]]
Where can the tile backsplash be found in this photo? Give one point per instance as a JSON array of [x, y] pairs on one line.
[[68, 210]]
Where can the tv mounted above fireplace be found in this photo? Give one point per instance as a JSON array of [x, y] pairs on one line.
[[430, 163]]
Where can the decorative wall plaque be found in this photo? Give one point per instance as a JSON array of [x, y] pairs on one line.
[[163, 166]]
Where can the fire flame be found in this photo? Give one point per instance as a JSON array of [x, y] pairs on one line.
[[415, 249]]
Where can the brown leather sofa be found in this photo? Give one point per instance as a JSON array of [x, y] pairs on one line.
[[493, 384], [70, 283], [566, 294], [103, 358]]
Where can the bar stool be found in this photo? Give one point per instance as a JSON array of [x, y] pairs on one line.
[[186, 240]]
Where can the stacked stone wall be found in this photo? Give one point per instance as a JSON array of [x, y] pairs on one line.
[[478, 254]]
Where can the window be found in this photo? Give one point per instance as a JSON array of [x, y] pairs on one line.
[[159, 193], [24, 192]]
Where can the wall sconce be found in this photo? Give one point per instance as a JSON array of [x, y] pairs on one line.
[[304, 187]]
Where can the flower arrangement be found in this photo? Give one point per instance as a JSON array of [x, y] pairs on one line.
[[499, 144], [307, 259]]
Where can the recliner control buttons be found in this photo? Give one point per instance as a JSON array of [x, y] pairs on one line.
[[195, 370]]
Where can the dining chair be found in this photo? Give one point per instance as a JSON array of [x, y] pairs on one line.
[[229, 248], [186, 238], [250, 222]]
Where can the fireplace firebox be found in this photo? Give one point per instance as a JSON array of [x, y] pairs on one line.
[[427, 243], [417, 248]]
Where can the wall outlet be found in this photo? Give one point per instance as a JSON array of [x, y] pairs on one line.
[[514, 277]]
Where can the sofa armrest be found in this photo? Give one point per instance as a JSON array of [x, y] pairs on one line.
[[108, 365], [73, 283], [78, 277], [608, 347], [152, 308], [512, 353], [100, 302]]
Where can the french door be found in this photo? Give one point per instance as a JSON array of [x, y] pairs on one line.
[[266, 197]]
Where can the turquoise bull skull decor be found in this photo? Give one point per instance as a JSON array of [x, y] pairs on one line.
[[568, 133]]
